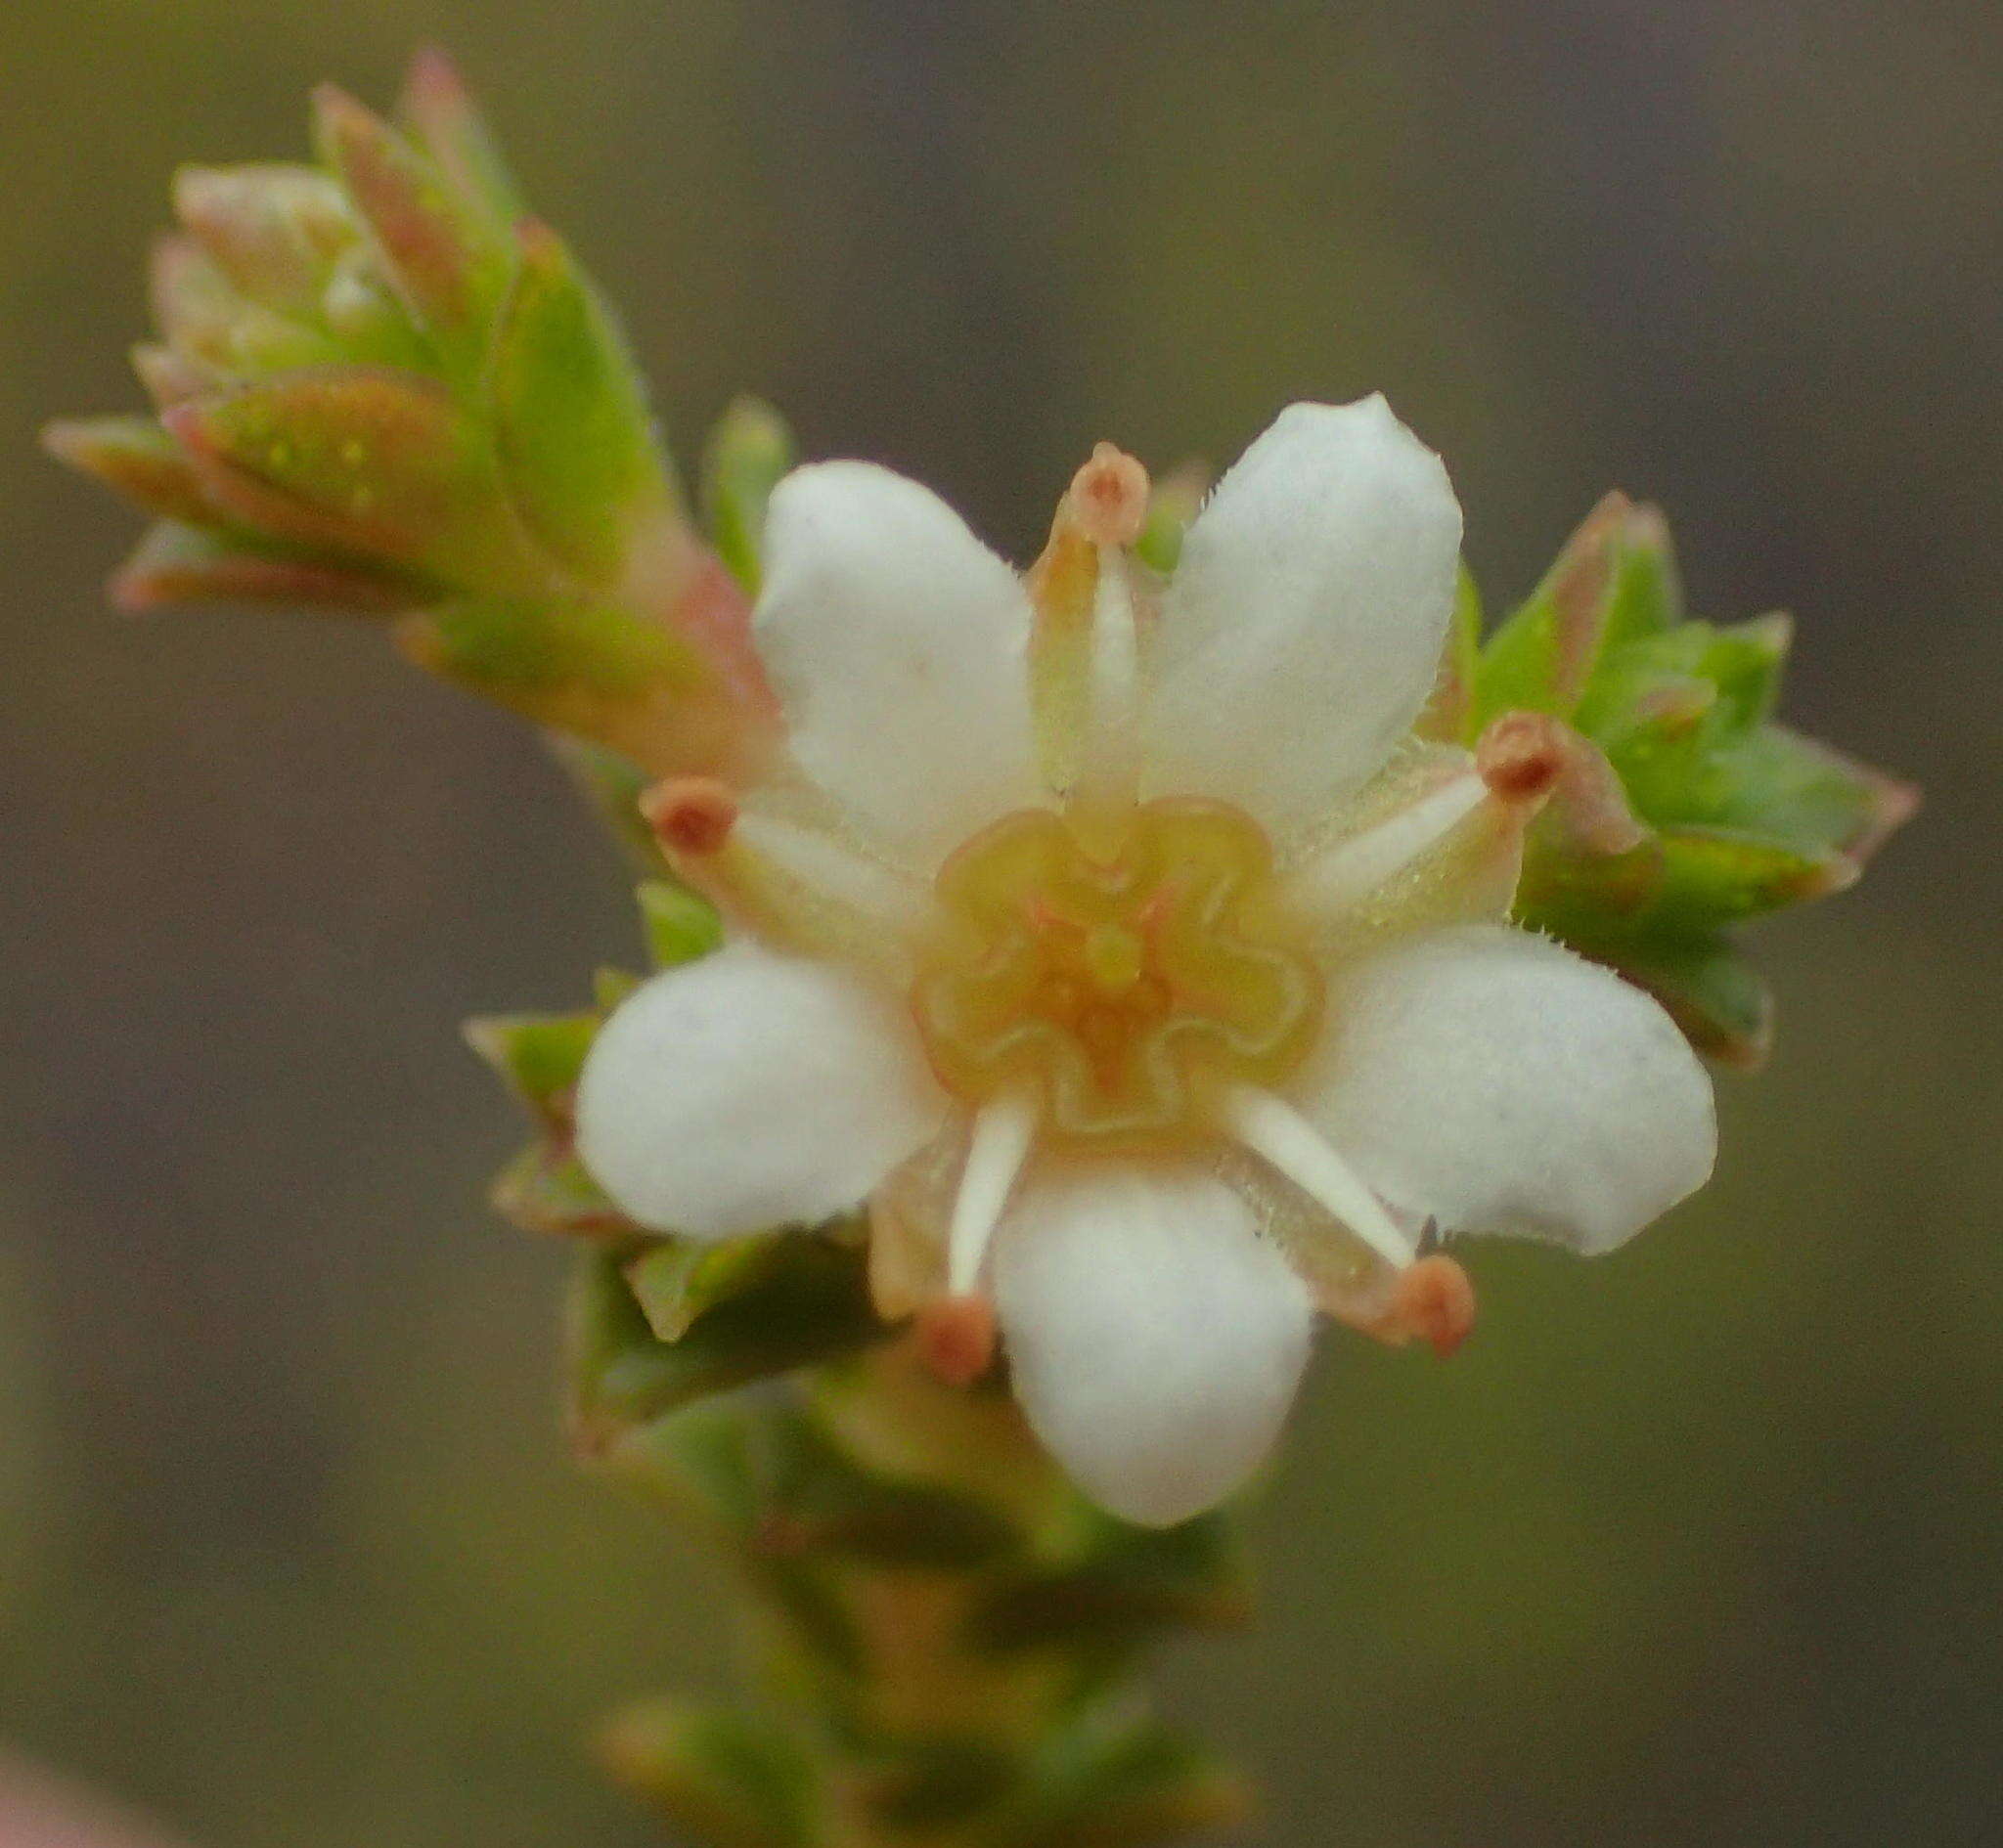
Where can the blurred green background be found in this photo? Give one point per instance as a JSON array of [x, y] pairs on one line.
[[1700, 1544]]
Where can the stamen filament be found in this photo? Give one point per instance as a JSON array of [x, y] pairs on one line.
[[1002, 1132], [1349, 874], [1271, 1127], [821, 863], [1109, 768], [808, 887]]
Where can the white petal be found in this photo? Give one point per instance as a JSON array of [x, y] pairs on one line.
[[898, 644], [1490, 1079], [1303, 628], [1156, 1339], [749, 1090]]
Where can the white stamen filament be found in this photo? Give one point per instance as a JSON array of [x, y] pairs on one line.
[[819, 867], [1273, 1128], [1361, 864], [1002, 1135], [1111, 759]]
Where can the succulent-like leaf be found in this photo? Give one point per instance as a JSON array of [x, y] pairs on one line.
[[546, 1190], [681, 925], [1712, 991], [729, 1777], [1172, 504], [439, 111], [446, 261], [1541, 659], [208, 320], [538, 1058], [1809, 795], [138, 457], [1450, 713], [811, 1307], [1716, 876], [1128, 1584], [185, 564], [591, 669], [1114, 1781], [274, 229], [570, 415], [748, 452], [375, 462]]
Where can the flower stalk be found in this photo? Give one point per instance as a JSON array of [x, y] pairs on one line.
[[382, 388]]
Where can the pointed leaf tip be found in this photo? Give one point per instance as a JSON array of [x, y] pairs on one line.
[[176, 564], [137, 456], [438, 106], [446, 263]]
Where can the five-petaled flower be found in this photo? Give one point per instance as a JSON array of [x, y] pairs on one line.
[[1115, 940]]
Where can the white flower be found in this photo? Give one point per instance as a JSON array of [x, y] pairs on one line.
[[1115, 940]]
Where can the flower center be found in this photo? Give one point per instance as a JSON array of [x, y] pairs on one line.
[[1122, 986]]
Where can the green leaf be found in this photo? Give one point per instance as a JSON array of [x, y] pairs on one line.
[[439, 110], [1802, 792], [613, 784], [747, 453], [1173, 503], [372, 461], [727, 1776], [275, 229], [1540, 658], [570, 416], [210, 322], [539, 1057], [811, 1306], [1133, 1583], [595, 670], [681, 925], [1449, 716], [827, 1503], [1669, 709], [445, 261], [677, 1281], [1117, 1782], [181, 564], [546, 1190], [138, 457], [610, 986], [1714, 877], [1713, 992], [1646, 596]]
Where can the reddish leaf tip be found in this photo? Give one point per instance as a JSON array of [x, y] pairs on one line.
[[434, 78]]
